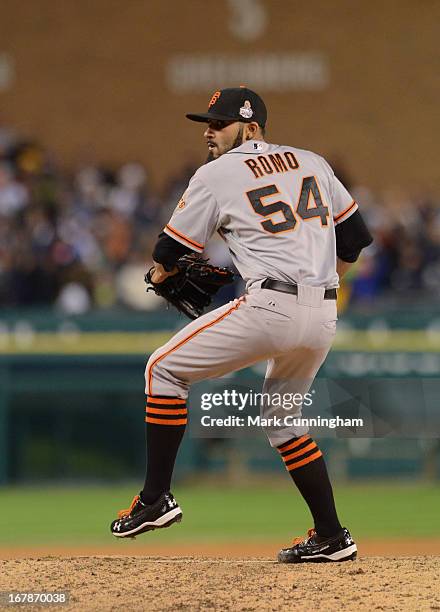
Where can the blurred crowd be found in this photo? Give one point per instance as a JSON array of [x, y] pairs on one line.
[[402, 266], [83, 239]]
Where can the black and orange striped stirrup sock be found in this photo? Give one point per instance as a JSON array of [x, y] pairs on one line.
[[166, 418], [166, 411], [306, 466], [298, 452]]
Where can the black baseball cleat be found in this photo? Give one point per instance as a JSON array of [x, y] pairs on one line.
[[141, 517], [314, 549]]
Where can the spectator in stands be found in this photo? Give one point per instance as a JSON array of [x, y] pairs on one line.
[[13, 196]]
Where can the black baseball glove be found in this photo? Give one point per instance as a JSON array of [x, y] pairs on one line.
[[191, 290]]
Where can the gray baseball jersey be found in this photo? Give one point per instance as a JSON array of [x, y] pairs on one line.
[[275, 206]]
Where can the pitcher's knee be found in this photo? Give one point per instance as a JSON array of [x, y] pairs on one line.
[[282, 427], [160, 378]]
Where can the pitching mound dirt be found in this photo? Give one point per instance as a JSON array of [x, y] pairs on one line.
[[189, 583]]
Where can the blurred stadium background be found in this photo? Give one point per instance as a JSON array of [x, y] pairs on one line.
[[95, 152]]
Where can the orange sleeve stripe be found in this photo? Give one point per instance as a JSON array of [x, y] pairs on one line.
[[160, 400], [300, 452], [190, 241], [185, 340], [166, 421], [166, 411], [283, 449], [305, 461], [344, 212]]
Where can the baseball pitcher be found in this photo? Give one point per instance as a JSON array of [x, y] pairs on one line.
[[292, 230]]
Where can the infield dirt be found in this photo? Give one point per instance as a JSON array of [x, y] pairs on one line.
[[202, 583]]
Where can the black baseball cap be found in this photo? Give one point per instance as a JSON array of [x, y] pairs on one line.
[[234, 104]]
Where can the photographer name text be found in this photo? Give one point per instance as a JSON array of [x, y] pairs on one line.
[[285, 421]]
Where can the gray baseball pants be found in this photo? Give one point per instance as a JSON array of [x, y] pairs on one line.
[[293, 333]]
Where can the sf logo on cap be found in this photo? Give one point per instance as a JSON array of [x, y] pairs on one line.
[[214, 98], [246, 110]]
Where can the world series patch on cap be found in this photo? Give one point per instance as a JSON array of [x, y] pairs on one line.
[[234, 104]]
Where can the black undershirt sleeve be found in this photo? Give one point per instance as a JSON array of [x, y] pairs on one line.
[[167, 251], [352, 236]]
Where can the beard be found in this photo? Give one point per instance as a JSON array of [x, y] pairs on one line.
[[237, 142], [210, 157]]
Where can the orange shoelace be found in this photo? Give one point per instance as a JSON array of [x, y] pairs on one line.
[[301, 539], [124, 513]]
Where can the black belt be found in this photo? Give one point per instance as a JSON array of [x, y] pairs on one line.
[[275, 285]]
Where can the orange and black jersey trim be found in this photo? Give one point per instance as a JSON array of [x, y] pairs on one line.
[[349, 209], [181, 237]]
